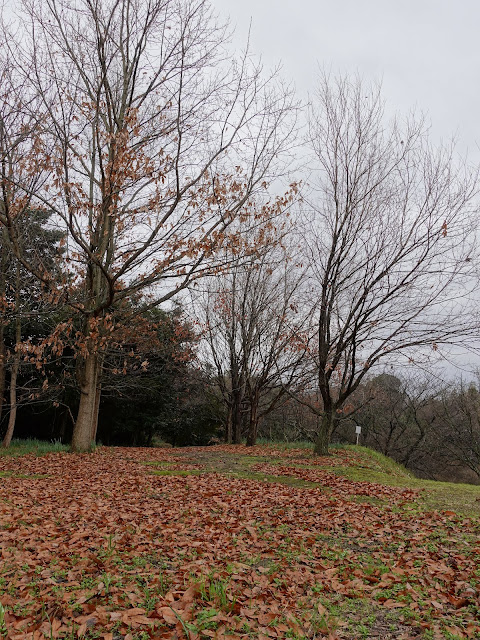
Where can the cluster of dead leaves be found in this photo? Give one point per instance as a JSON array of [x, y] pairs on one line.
[[98, 546]]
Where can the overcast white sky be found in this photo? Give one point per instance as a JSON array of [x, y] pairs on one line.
[[425, 52]]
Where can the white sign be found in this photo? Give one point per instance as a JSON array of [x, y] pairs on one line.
[[358, 430]]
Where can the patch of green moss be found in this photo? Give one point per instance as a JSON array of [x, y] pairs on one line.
[[366, 499], [158, 463], [264, 477], [32, 476], [179, 472]]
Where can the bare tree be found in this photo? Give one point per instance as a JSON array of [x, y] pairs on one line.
[[154, 146], [397, 415], [256, 337], [390, 241], [457, 427], [431, 426], [19, 121]]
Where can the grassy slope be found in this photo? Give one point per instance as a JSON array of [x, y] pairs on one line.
[[462, 498], [367, 466], [347, 617], [350, 546]]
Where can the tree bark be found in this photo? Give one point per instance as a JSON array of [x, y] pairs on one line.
[[3, 350], [98, 395], [228, 428], [3, 364], [237, 418], [13, 401], [238, 389], [15, 366], [253, 423], [323, 434], [95, 414], [85, 424]]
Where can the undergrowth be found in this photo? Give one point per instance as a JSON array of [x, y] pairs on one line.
[[32, 446]]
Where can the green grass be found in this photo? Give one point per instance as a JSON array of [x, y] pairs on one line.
[[370, 467], [269, 478], [447, 496], [158, 463], [464, 499], [282, 444], [365, 474], [179, 472], [31, 446], [365, 465], [382, 463]]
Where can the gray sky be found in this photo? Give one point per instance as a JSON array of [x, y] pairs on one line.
[[425, 52]]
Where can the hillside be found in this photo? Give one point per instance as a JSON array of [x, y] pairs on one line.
[[230, 542]]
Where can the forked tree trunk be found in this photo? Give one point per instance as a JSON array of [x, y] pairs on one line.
[[87, 417], [325, 426]]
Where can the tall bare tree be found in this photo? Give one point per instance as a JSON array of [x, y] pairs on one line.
[[19, 122], [154, 145], [390, 241], [256, 336]]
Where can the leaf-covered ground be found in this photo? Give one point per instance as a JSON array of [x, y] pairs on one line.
[[230, 542]]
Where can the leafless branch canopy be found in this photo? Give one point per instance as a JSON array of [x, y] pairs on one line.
[[391, 226]]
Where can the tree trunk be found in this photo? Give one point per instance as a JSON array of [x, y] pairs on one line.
[[253, 424], [323, 434], [15, 368], [228, 429], [237, 419], [89, 379], [13, 401], [96, 411], [15, 365], [3, 350], [237, 399], [252, 433], [98, 395], [3, 366], [237, 394]]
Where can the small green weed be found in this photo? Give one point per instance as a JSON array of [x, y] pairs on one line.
[[3, 626]]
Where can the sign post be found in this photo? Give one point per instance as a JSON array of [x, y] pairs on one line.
[[358, 431]]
